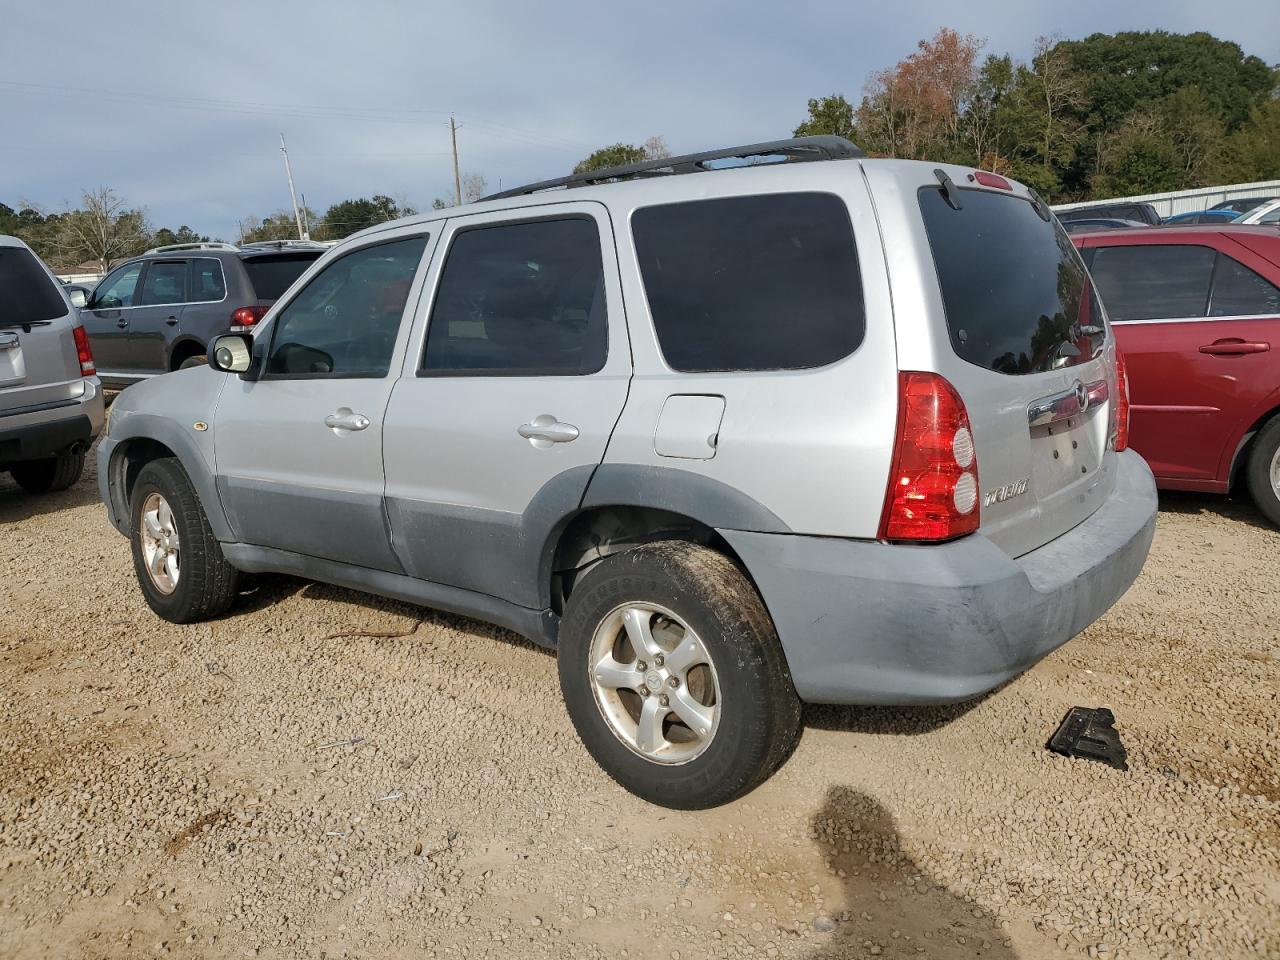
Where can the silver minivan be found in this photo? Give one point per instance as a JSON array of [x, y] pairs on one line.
[[812, 427], [51, 404]]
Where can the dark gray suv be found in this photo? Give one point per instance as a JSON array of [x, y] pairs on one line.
[[157, 312]]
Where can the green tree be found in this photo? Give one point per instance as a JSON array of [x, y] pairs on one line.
[[617, 155], [277, 226], [1253, 151], [165, 237], [832, 116], [351, 216]]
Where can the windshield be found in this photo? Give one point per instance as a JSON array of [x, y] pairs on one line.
[[27, 295], [1016, 295], [272, 276]]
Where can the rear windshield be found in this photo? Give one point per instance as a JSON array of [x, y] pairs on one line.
[[272, 276], [1016, 295], [27, 295]]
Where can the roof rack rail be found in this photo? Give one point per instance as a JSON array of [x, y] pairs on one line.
[[207, 245], [282, 244], [795, 150]]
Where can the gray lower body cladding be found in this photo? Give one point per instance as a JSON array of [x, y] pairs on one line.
[[864, 622]]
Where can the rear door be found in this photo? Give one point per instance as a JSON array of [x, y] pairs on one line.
[[154, 323], [1013, 324], [1198, 327], [506, 409], [106, 318], [37, 352]]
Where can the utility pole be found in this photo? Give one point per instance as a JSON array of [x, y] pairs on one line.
[[297, 215], [457, 177], [306, 220]]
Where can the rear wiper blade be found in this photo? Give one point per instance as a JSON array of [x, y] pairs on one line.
[[950, 192], [26, 325]]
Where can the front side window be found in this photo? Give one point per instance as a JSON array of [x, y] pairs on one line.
[[767, 282], [1015, 293], [344, 323], [1153, 281], [165, 282], [118, 288], [518, 300], [27, 295], [1239, 292]]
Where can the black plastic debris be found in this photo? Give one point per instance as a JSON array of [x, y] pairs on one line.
[[1090, 732]]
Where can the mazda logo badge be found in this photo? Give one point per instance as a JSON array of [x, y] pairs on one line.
[[1082, 396]]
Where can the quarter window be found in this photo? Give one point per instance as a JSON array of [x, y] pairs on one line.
[[1154, 281], [165, 282], [1239, 292], [117, 289], [344, 323], [766, 282], [520, 299], [207, 283]]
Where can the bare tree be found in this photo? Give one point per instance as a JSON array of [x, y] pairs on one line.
[[655, 148], [103, 230], [1060, 92], [474, 186]]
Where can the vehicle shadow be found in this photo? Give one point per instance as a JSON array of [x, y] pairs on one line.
[[908, 721], [1237, 505], [16, 504], [891, 905]]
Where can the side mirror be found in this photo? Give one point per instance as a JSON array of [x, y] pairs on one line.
[[78, 298], [232, 353]]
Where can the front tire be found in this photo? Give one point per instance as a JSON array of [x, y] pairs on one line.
[[200, 361], [1264, 470], [49, 475], [674, 677], [177, 560]]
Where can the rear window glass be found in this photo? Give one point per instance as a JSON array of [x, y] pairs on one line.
[[27, 295], [1016, 295], [765, 282], [1153, 281], [272, 276]]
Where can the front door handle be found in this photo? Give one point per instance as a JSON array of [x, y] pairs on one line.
[[545, 429], [122, 324], [346, 421], [171, 321], [1234, 347]]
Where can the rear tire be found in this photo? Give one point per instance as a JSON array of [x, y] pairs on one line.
[[177, 559], [687, 604], [49, 475], [1263, 471], [198, 361]]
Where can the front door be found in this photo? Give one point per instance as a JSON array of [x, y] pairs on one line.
[[153, 324], [106, 319], [299, 451], [1199, 330], [494, 430]]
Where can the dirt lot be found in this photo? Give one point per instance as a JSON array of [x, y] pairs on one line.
[[320, 774]]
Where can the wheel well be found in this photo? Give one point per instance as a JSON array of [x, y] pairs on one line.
[[600, 532], [1241, 458], [185, 351], [128, 462]]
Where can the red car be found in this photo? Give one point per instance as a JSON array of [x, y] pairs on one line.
[[1196, 313]]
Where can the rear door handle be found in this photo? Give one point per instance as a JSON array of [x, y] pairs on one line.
[[122, 324], [171, 321], [346, 421], [1234, 347], [545, 428]]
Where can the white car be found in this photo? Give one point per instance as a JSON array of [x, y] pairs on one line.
[[1268, 213]]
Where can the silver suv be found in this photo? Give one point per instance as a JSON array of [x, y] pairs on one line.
[[50, 398], [815, 428]]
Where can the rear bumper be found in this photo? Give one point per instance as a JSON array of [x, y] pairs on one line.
[[36, 432], [864, 622]]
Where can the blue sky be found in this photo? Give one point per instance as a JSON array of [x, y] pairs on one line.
[[179, 106]]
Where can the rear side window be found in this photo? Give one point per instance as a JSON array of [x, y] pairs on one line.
[[766, 282], [1015, 292], [164, 282], [1153, 281], [27, 295], [272, 276], [520, 300], [1239, 292]]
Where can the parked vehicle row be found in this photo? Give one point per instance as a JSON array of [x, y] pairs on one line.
[[158, 312], [698, 432]]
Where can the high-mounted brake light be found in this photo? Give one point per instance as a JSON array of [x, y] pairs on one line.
[[1120, 431], [933, 482], [991, 180], [83, 352], [243, 317]]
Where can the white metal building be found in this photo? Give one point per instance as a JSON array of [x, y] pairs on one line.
[[1189, 201]]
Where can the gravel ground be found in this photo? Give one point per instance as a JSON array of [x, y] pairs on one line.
[[327, 774]]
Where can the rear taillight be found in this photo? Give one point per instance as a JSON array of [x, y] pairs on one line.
[[243, 317], [87, 367], [933, 483], [1120, 434]]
